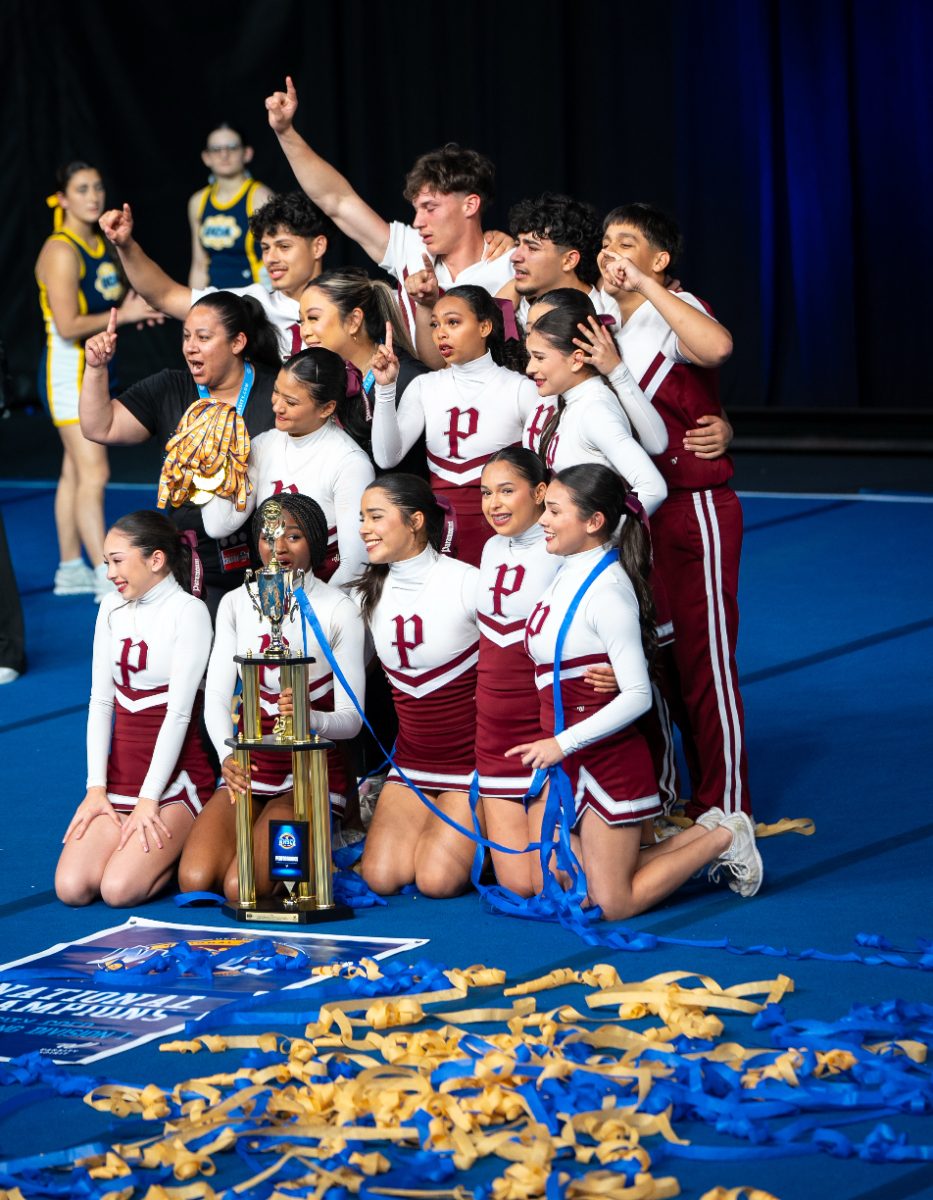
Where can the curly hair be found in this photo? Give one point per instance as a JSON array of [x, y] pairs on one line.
[[294, 212], [452, 169], [566, 222]]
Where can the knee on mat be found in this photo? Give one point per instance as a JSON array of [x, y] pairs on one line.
[[617, 905], [75, 890], [196, 876], [437, 883], [122, 891], [380, 874]]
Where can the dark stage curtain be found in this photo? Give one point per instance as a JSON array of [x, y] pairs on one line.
[[792, 140]]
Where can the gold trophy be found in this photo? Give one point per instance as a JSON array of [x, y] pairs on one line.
[[307, 873]]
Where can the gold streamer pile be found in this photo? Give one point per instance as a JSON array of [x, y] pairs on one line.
[[206, 456], [481, 1109]]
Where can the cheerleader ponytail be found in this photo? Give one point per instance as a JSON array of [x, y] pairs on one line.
[[410, 494], [596, 489]]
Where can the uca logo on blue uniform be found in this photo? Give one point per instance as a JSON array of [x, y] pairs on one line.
[[288, 850], [219, 232], [108, 282]]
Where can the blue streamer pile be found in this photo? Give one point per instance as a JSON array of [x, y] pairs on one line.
[[770, 1120]]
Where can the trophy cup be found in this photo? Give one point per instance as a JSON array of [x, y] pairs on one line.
[[307, 876]]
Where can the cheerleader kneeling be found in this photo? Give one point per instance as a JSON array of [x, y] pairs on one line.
[[605, 757], [148, 773], [420, 607], [209, 861]]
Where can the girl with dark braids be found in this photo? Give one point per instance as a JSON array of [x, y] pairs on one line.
[[209, 861], [605, 757]]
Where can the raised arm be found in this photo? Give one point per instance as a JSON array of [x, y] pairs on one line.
[[700, 337], [395, 430], [424, 290], [102, 418], [200, 259], [322, 183], [601, 351], [145, 276]]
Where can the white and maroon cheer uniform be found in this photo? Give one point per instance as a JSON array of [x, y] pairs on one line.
[[149, 660], [512, 576], [608, 760], [424, 632], [326, 465], [403, 257], [697, 538], [466, 412], [594, 429], [333, 715]]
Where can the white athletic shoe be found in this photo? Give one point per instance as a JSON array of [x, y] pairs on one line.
[[741, 863], [74, 579], [8, 675], [102, 585], [711, 819]]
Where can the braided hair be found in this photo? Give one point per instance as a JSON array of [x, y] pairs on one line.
[[308, 517]]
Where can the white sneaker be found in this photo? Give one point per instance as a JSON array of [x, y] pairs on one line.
[[8, 675], [102, 585], [711, 819], [74, 579], [741, 863]]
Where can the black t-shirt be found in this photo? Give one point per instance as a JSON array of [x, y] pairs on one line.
[[159, 403]]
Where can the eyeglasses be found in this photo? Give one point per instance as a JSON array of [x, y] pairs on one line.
[[228, 146]]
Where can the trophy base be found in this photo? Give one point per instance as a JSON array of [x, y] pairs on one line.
[[274, 912]]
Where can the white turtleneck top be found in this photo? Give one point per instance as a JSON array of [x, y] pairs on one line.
[[513, 574], [326, 465], [424, 626], [239, 629], [594, 429], [466, 412], [148, 653], [605, 628]]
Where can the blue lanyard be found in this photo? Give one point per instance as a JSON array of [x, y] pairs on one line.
[[245, 387], [368, 381]]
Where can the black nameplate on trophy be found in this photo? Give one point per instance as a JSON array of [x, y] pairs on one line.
[[288, 851]]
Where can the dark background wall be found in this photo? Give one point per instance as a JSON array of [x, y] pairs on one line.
[[792, 140]]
